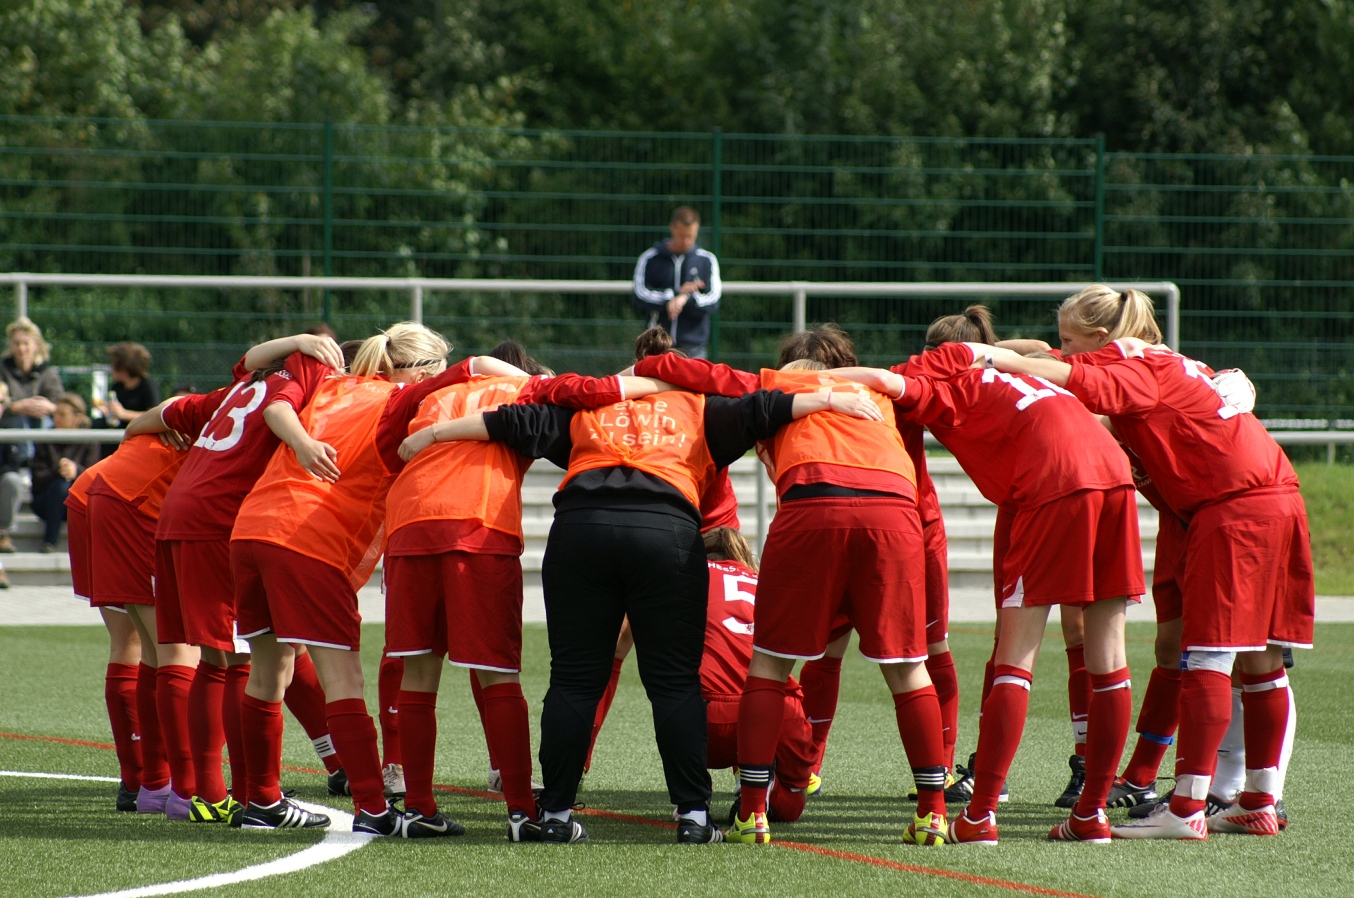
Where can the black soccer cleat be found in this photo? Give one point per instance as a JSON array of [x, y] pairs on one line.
[[416, 826], [284, 814], [386, 823], [522, 828], [961, 790], [338, 783], [1074, 785], [689, 832], [1124, 794], [126, 801], [563, 832]]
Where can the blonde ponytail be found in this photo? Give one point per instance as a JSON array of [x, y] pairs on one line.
[[1120, 314], [406, 345]]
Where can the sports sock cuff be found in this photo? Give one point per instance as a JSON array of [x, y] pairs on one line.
[[346, 706], [929, 778], [902, 698], [1115, 679], [762, 684], [1274, 679], [211, 671], [1167, 673], [248, 701], [502, 690], [176, 672], [1009, 673], [1076, 657], [755, 775], [826, 664], [408, 697], [121, 672], [1159, 740]]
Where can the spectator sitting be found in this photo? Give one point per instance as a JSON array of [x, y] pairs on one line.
[[32, 386], [133, 391], [56, 466]]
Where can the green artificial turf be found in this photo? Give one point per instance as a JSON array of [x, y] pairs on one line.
[[63, 838], [1328, 491]]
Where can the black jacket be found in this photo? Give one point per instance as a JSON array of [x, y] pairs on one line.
[[658, 275]]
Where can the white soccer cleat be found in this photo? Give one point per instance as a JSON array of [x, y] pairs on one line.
[[495, 781], [1236, 819], [393, 774], [1162, 824]]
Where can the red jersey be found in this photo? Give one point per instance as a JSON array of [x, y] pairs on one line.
[[1023, 440], [233, 449], [699, 375], [1196, 449], [719, 504], [728, 633]]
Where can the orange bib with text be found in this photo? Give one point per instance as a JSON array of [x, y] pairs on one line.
[[662, 435], [829, 438], [343, 523], [463, 479]]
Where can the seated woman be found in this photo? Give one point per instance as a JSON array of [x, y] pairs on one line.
[[33, 386]]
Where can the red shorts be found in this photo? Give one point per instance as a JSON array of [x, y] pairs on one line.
[[1168, 568], [195, 593], [77, 538], [463, 605], [1073, 550], [294, 596], [121, 553], [1248, 574], [858, 557], [795, 755], [937, 552]]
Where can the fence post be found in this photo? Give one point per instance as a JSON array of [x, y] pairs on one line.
[[416, 303], [20, 299], [716, 200], [801, 313], [328, 209], [1099, 208]]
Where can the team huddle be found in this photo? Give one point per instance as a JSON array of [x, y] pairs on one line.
[[225, 541]]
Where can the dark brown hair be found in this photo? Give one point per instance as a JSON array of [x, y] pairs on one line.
[[727, 544], [133, 358], [655, 341], [973, 325], [321, 330], [515, 354], [826, 343]]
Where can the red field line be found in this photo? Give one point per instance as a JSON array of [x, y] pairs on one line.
[[871, 860]]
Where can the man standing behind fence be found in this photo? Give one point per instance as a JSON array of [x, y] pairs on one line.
[[677, 284]]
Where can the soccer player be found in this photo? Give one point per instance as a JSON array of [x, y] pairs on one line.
[[626, 542], [195, 590], [454, 578], [1247, 585], [728, 652]]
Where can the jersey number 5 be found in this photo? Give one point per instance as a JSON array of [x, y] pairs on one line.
[[735, 590]]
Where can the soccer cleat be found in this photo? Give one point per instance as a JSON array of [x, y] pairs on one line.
[[495, 780], [689, 832], [1074, 785], [964, 831], [1124, 794], [387, 823], [337, 783], [283, 814], [815, 787], [393, 774], [1162, 824], [752, 831], [522, 828], [200, 810], [961, 790], [563, 832], [928, 830], [234, 812], [1236, 819], [1095, 829], [177, 808], [950, 780], [1282, 814], [126, 800], [416, 826], [152, 801]]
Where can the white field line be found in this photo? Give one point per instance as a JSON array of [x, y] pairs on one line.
[[338, 840]]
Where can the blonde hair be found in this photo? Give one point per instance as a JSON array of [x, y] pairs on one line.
[[1126, 314], [727, 544], [973, 325], [25, 325], [404, 345], [803, 365]]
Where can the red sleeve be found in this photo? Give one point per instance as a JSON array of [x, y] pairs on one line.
[[698, 374], [944, 362], [239, 372], [403, 405], [573, 390], [1110, 386], [303, 375], [928, 401], [189, 414]]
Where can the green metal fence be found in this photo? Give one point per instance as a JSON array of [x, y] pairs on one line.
[[1263, 246]]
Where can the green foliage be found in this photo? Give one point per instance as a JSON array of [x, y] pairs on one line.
[[1328, 491]]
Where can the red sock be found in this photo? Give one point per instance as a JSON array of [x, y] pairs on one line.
[[821, 680], [507, 729], [172, 684], [305, 700], [418, 717], [388, 682], [1264, 697], [999, 734], [1078, 696], [477, 692], [1208, 696], [261, 724], [946, 680], [154, 768], [354, 735], [1111, 708], [119, 694], [760, 714], [1157, 723], [206, 731], [603, 708], [988, 673], [918, 714], [236, 679]]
